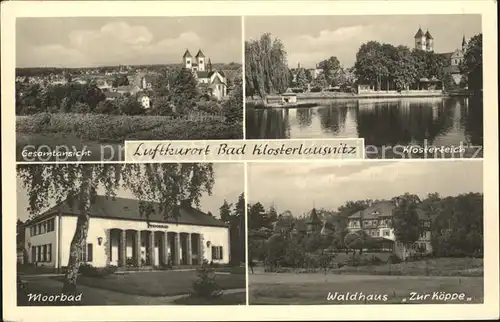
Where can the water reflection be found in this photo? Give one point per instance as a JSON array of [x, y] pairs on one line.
[[381, 122]]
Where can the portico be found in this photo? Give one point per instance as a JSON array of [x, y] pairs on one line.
[[131, 247]]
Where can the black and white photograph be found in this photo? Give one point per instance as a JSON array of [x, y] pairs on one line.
[[84, 85], [410, 85], [130, 234], [365, 232]]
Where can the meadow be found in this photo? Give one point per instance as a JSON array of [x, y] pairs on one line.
[[396, 281], [94, 130]]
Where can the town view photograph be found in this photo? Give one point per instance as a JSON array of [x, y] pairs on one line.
[[366, 232], [84, 85], [398, 81], [131, 234]]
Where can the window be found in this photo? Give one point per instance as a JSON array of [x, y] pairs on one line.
[[386, 232], [90, 252], [33, 254], [49, 253], [38, 253], [44, 253], [216, 252], [422, 234], [188, 61]]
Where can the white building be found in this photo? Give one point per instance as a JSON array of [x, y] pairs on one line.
[[119, 235], [144, 101], [215, 80], [376, 221]]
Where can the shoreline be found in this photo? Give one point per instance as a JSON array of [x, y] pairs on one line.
[[308, 97]]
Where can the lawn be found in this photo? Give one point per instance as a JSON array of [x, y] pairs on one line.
[[225, 299], [309, 289], [94, 130], [430, 267], [165, 283]]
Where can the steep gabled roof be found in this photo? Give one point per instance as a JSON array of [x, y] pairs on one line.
[[419, 33], [200, 54], [428, 35], [313, 217], [128, 209], [187, 54]]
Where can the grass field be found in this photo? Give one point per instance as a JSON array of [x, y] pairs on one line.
[[314, 288], [167, 283], [225, 299], [396, 281], [93, 131]]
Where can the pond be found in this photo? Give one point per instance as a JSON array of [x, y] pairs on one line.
[[387, 125]]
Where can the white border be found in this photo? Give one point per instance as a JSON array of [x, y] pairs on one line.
[[490, 307]]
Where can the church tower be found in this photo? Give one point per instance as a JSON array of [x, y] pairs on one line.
[[464, 44], [209, 65], [420, 40], [429, 41], [200, 58], [188, 60]]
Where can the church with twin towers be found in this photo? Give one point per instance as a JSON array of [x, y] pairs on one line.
[[213, 81]]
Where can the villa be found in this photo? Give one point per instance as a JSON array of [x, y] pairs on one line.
[[118, 235]]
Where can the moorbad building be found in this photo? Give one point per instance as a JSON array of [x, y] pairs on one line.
[[118, 235]]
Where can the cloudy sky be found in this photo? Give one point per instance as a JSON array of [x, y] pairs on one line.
[[229, 184], [98, 41], [310, 39], [299, 186]]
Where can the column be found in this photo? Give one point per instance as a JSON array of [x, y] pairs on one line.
[[151, 248], [189, 252], [123, 248], [107, 246], [201, 249], [177, 249], [138, 248], [166, 248]]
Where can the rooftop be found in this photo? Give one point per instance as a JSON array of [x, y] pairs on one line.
[[128, 209]]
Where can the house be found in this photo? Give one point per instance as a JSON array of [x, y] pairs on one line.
[[205, 74], [144, 100], [376, 221], [118, 235], [147, 81], [131, 89]]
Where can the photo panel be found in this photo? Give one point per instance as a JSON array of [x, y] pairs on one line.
[[84, 85], [410, 85], [130, 234], [365, 233]]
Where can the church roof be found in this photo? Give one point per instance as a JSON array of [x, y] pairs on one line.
[[463, 41], [200, 54], [128, 209], [428, 35], [203, 74], [313, 217], [419, 33], [187, 54]]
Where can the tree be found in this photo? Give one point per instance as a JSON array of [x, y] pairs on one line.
[[320, 81], [266, 67], [184, 89], [472, 65], [225, 211], [405, 222], [233, 107], [159, 187], [302, 80], [272, 215], [405, 71], [120, 80], [256, 217], [370, 65], [355, 240], [331, 68]]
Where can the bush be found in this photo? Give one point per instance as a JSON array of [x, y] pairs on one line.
[[91, 271], [394, 259], [206, 286], [374, 260], [315, 89]]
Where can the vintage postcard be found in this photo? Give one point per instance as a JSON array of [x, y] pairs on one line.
[[249, 160], [91, 235], [366, 233], [410, 85], [84, 85]]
